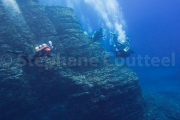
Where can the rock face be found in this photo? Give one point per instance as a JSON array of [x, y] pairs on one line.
[[80, 82]]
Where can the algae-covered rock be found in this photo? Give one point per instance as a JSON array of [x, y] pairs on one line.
[[80, 81]]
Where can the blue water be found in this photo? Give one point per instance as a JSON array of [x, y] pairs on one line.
[[154, 30], [153, 27]]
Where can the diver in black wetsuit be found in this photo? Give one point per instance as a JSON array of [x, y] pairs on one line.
[[98, 35], [121, 50]]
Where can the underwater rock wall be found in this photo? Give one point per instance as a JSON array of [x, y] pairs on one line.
[[76, 84]]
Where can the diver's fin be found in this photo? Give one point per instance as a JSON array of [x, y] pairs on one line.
[[14, 52]]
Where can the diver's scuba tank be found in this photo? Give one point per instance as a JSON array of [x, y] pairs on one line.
[[50, 44], [37, 48]]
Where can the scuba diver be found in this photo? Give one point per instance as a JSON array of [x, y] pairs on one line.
[[115, 43], [41, 51], [122, 53], [121, 50], [98, 35]]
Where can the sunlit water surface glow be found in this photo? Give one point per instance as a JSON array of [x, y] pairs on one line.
[[109, 14]]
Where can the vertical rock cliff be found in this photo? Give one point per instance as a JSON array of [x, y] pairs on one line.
[[80, 82]]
